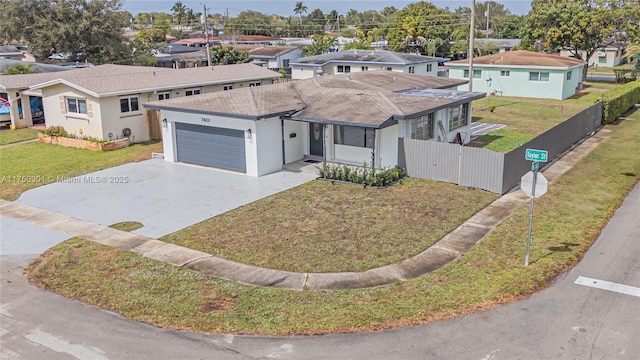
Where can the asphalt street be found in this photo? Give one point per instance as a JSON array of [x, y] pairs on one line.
[[565, 321]]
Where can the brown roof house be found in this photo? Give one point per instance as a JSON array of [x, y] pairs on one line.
[[272, 57], [347, 118], [105, 101], [522, 73]]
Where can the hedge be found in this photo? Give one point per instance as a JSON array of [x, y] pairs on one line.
[[617, 101]]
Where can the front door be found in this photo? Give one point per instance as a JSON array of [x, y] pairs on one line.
[[316, 138]]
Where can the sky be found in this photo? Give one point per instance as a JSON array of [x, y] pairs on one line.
[[285, 8]]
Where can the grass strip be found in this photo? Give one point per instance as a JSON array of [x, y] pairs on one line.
[[566, 223], [16, 135]]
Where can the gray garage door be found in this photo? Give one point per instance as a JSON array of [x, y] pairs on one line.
[[211, 146]]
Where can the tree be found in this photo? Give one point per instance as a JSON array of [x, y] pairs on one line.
[[299, 10], [19, 69], [631, 53], [248, 22], [358, 45], [179, 10], [322, 44], [333, 21], [418, 23], [224, 55], [510, 28], [92, 28], [580, 26], [145, 45]]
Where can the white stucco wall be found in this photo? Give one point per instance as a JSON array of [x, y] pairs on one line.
[[387, 146], [518, 84], [294, 146], [268, 138], [169, 140], [113, 121]]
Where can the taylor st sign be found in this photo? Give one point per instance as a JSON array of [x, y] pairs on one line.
[[536, 155]]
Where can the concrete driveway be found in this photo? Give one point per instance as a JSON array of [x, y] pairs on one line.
[[163, 196]]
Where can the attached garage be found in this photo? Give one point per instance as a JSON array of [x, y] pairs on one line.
[[211, 146]]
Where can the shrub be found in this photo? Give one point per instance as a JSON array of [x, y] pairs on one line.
[[617, 101], [369, 176], [55, 131]]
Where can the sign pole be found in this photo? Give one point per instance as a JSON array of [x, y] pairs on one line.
[[533, 194]]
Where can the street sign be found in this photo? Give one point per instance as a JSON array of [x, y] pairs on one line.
[[536, 155], [535, 166], [526, 184]]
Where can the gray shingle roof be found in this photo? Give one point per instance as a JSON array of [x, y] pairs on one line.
[[371, 56], [108, 80], [369, 99]]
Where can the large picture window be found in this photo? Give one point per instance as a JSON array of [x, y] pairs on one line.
[[458, 116], [353, 136], [477, 74], [129, 104], [422, 127], [76, 106], [538, 76]]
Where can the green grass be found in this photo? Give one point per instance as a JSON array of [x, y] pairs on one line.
[[502, 140], [30, 165], [492, 273], [8, 136], [320, 227], [127, 226]]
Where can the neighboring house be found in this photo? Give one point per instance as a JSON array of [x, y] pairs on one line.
[[10, 52], [609, 56], [363, 60], [522, 73], [353, 119], [104, 100], [272, 57], [503, 45]]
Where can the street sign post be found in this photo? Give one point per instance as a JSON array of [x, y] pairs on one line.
[[534, 184], [536, 155]]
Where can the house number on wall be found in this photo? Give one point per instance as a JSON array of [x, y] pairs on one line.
[[206, 120]]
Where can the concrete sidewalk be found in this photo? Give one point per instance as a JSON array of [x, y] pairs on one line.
[[448, 249]]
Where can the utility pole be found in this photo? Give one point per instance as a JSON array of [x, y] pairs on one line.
[[470, 51], [206, 34], [486, 13]]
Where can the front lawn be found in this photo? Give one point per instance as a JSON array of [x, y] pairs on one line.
[[9, 136], [320, 227], [566, 223], [26, 166]]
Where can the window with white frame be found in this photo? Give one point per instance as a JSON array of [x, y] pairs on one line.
[[364, 68], [412, 69], [256, 83], [458, 116], [429, 67], [129, 104], [164, 96], [477, 74], [422, 127], [191, 92], [505, 73], [227, 87], [76, 106], [538, 76], [353, 136], [344, 68]]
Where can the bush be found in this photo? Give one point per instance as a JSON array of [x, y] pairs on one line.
[[617, 101], [365, 175], [55, 131]]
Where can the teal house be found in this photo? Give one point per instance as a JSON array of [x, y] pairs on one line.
[[522, 73]]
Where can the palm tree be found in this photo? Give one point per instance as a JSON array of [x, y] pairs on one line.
[[299, 10], [178, 11], [633, 52]]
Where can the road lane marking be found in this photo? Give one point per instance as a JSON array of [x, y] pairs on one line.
[[608, 285], [62, 346]]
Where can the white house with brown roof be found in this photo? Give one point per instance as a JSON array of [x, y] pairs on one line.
[[272, 57], [105, 101], [522, 73], [351, 61], [351, 120], [609, 56]]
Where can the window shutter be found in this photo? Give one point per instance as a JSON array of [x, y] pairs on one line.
[[89, 108], [63, 105]]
